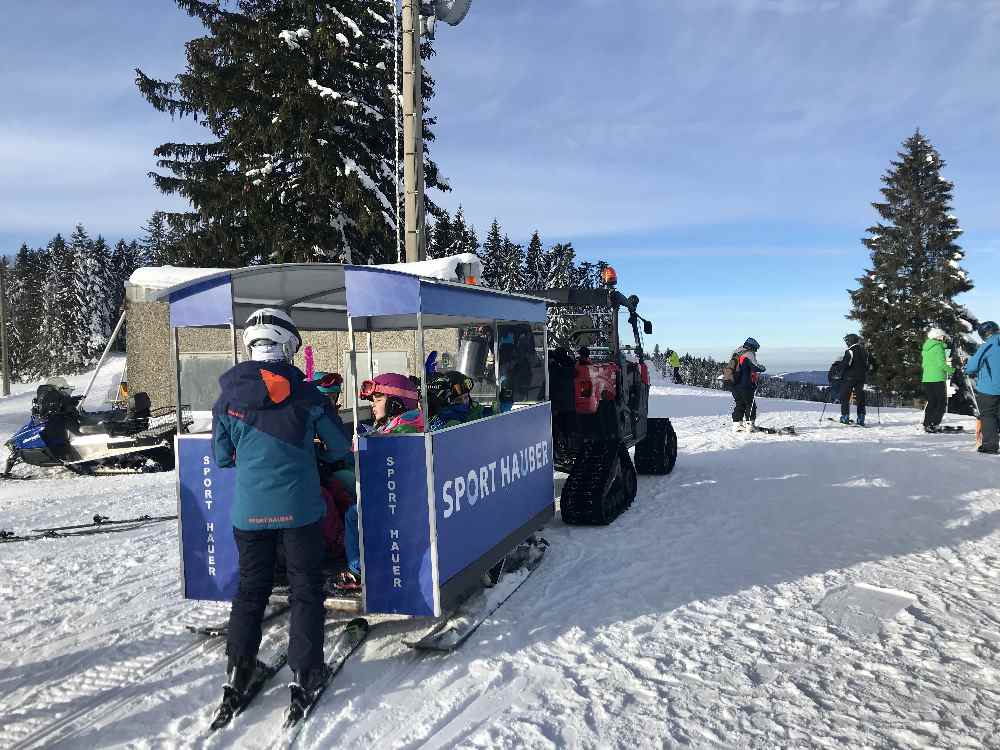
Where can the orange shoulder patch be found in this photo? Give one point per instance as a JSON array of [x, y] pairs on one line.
[[278, 388]]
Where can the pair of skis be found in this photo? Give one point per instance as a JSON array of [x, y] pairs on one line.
[[303, 700], [789, 430], [455, 629]]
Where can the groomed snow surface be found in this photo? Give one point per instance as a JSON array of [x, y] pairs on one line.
[[835, 589]]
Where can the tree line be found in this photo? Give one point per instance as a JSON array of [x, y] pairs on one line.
[[63, 301]]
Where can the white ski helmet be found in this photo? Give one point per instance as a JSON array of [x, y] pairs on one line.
[[269, 324], [938, 334]]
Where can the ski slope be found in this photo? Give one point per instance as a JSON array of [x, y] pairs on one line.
[[834, 589]]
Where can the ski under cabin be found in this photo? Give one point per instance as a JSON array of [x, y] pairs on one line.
[[438, 509]]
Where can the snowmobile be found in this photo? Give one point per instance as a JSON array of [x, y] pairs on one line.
[[61, 433]]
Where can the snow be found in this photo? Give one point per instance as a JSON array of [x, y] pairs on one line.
[[836, 589], [324, 91]]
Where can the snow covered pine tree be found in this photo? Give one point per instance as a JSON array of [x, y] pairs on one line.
[[916, 272], [300, 164]]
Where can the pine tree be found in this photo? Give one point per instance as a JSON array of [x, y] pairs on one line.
[[492, 257], [90, 286], [157, 242], [25, 305], [299, 161], [468, 242], [916, 272], [533, 261], [559, 265], [444, 239], [511, 266], [59, 347], [126, 258]]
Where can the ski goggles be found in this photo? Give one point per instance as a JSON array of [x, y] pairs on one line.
[[369, 388]]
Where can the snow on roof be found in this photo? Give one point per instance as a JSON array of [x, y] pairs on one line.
[[145, 282]]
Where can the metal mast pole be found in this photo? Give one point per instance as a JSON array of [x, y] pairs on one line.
[[413, 140]]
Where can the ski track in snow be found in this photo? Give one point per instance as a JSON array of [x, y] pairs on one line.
[[693, 620]]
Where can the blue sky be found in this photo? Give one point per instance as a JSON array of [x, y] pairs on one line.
[[722, 154]]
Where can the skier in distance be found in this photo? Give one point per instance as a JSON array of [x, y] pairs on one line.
[[936, 373], [745, 378], [854, 372]]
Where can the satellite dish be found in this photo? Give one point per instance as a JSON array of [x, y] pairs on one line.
[[452, 12]]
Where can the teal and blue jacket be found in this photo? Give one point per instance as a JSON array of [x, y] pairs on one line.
[[985, 365], [264, 424]]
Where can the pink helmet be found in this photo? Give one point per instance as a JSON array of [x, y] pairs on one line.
[[393, 385]]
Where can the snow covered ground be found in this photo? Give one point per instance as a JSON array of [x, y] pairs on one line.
[[835, 589]]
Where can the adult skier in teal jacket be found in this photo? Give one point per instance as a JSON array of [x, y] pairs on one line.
[[264, 424], [985, 367]]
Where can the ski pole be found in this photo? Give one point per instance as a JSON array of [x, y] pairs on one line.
[[829, 395], [878, 403]]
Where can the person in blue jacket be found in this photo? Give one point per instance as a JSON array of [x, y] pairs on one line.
[[264, 424], [985, 367]]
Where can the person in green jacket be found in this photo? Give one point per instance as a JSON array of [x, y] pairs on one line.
[[936, 373], [674, 361]]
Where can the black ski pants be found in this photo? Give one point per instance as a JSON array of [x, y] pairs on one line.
[[857, 387], [746, 407], [304, 553], [989, 414], [937, 402], [677, 376]]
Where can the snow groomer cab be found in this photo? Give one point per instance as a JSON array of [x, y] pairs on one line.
[[439, 511]]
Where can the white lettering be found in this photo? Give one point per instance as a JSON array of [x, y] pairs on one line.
[[207, 483], [472, 481], [390, 472], [208, 494], [484, 481], [390, 461], [394, 533], [211, 560], [504, 471], [459, 492], [515, 471], [396, 583], [211, 571], [395, 570], [206, 471], [206, 460], [449, 502], [493, 475]]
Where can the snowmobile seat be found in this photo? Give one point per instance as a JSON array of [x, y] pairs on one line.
[[138, 406], [50, 400]]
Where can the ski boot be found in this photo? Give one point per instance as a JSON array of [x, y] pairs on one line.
[[860, 422], [303, 689], [845, 420], [239, 675], [739, 427], [931, 428]]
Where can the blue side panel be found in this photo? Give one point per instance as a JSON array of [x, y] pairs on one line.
[[372, 292], [395, 526], [471, 303], [210, 561], [490, 478], [209, 303]]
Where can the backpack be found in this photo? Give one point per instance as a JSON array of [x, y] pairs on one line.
[[729, 371], [836, 372]]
